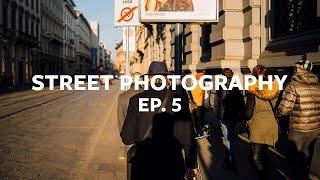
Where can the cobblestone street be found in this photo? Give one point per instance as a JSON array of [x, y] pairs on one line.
[[60, 135]]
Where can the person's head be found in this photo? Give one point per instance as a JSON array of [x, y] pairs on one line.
[[303, 66], [199, 74], [135, 74], [227, 72], [260, 70], [158, 68]]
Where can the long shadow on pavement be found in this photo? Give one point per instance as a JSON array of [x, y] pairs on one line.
[[212, 161]]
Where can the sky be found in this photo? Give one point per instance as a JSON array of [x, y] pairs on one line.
[[103, 12]]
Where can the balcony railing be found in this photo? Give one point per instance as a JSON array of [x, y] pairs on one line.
[[55, 38]]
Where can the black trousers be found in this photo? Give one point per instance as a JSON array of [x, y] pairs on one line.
[[198, 117], [300, 151], [259, 158]]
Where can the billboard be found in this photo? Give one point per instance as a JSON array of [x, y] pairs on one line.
[[179, 11], [126, 13]]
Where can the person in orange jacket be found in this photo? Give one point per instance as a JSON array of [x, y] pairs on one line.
[[198, 109]]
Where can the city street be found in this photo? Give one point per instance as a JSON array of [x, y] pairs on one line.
[[60, 135], [74, 135]]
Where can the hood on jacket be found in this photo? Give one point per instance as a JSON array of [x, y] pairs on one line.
[[306, 78], [265, 93]]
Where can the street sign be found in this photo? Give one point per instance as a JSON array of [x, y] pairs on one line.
[[178, 11], [126, 13], [131, 40]]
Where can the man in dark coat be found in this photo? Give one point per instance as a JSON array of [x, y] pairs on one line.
[[137, 124], [123, 104]]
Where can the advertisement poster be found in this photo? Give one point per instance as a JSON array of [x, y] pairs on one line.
[[179, 10]]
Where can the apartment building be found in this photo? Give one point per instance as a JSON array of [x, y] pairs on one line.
[[83, 44], [52, 36], [95, 45], [69, 48], [19, 39]]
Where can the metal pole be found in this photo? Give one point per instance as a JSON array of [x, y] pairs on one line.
[[127, 53], [178, 49]]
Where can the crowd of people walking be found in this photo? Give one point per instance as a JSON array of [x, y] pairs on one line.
[[163, 145]]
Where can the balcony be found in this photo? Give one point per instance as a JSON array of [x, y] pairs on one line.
[[25, 39], [55, 38]]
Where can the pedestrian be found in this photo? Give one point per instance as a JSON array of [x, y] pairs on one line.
[[123, 103], [262, 125], [301, 100], [161, 151], [229, 108], [198, 110], [138, 125]]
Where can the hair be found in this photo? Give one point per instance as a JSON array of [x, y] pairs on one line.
[[260, 70], [225, 70], [135, 74]]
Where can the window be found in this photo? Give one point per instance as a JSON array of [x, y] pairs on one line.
[[32, 4], [13, 18], [32, 28], [5, 14], [295, 26], [27, 23], [205, 43], [37, 29], [292, 16], [20, 20], [37, 5]]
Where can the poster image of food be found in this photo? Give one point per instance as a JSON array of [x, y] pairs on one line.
[[179, 10]]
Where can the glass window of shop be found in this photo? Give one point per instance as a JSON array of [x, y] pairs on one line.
[[294, 16]]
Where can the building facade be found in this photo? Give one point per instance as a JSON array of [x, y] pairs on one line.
[[52, 36], [19, 40], [120, 61], [249, 32], [101, 57], [69, 48], [95, 46], [83, 44], [108, 64]]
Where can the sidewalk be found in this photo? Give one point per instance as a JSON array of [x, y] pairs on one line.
[[107, 160], [12, 90], [212, 161]]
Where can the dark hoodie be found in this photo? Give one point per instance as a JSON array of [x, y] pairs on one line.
[[301, 100]]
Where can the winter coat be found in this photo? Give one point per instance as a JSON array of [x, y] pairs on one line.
[[198, 96], [227, 105], [301, 100], [263, 127], [137, 124]]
